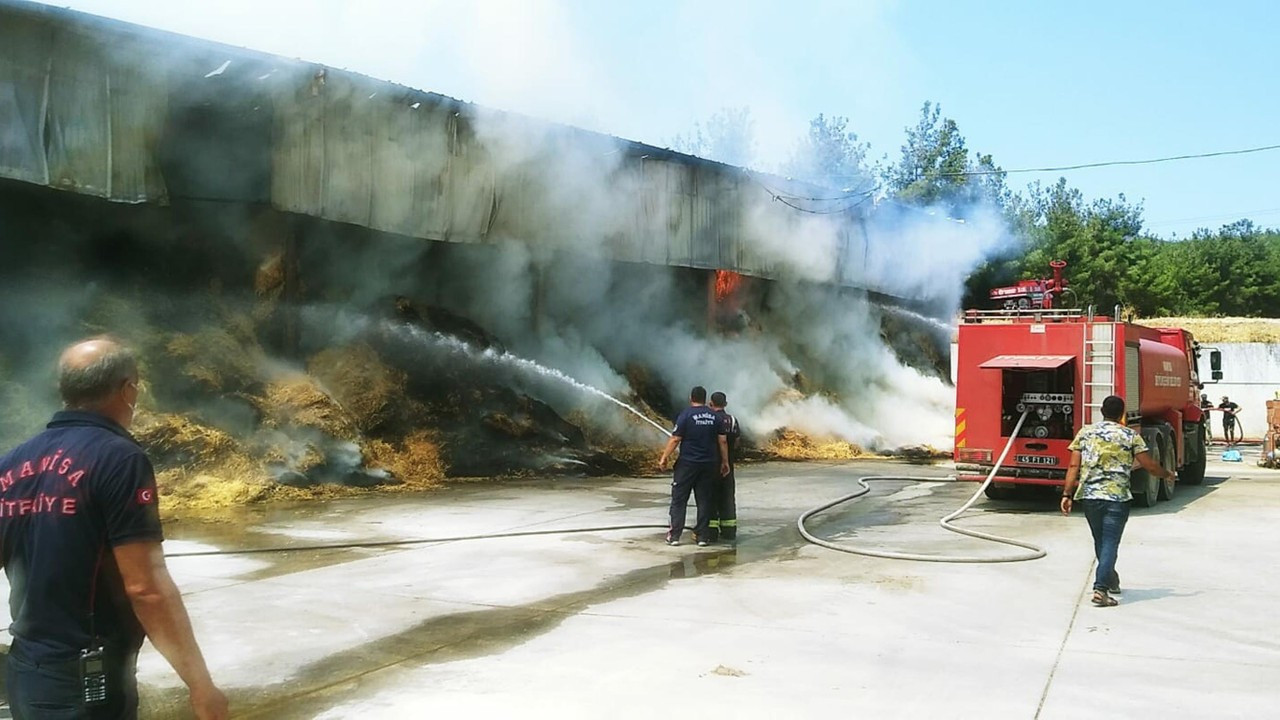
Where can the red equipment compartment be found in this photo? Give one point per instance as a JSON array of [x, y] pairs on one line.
[[1165, 377]]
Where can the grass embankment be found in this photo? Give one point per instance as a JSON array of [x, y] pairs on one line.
[[1223, 330]]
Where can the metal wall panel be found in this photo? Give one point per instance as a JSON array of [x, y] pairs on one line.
[[98, 94], [24, 65]]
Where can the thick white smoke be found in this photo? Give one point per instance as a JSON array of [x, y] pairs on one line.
[[811, 357]]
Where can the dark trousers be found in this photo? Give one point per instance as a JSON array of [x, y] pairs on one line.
[[699, 479], [1106, 521], [52, 691], [724, 509], [1229, 429]]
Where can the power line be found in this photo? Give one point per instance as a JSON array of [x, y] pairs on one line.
[[852, 199], [1112, 163]]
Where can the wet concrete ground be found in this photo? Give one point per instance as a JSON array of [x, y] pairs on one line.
[[616, 623]]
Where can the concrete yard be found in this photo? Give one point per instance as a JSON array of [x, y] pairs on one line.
[[617, 624]]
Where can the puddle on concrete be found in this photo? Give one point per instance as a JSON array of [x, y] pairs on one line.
[[487, 631], [704, 563]]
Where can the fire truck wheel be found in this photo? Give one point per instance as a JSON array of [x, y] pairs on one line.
[[1192, 473], [1145, 492]]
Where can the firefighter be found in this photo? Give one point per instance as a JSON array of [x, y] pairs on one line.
[[702, 450], [724, 511]]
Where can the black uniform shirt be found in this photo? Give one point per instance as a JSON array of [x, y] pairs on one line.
[[67, 497], [729, 428], [699, 435], [1229, 407]]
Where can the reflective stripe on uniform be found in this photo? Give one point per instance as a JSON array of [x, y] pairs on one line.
[[727, 523], [716, 523]]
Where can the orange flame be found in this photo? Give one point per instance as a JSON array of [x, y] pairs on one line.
[[727, 282]]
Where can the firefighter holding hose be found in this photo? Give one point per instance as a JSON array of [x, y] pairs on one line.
[[703, 452]]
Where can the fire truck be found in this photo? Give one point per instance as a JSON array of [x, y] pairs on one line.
[[1057, 365]]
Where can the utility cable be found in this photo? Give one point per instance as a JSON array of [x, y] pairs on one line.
[[1111, 163], [1034, 552], [853, 199]]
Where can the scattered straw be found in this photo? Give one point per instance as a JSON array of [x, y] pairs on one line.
[[790, 444]]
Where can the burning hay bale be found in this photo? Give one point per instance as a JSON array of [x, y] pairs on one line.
[[297, 401], [216, 360], [268, 280], [309, 439], [367, 388], [414, 460], [915, 346], [507, 425], [442, 320], [177, 440], [650, 392], [789, 444]]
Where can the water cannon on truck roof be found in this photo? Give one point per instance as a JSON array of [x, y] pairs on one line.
[[1034, 294]]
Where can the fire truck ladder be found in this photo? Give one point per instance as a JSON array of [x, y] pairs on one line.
[[1099, 374]]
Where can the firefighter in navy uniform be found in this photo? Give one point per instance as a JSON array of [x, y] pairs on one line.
[[704, 457], [80, 541], [724, 511]]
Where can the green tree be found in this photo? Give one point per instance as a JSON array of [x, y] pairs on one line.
[[935, 168]]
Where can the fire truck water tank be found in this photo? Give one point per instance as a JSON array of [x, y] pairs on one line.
[[1165, 376]]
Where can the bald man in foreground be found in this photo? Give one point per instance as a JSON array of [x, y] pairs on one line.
[[80, 540]]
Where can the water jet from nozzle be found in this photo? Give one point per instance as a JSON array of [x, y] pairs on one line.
[[507, 359]]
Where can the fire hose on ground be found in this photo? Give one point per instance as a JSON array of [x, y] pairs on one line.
[[1034, 552]]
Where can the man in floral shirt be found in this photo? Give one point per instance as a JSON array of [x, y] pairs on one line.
[[1107, 452]]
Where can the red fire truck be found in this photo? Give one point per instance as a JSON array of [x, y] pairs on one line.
[[1058, 365]]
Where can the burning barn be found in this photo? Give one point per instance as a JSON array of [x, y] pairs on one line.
[[335, 280]]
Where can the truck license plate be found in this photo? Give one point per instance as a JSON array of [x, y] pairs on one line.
[[1037, 460]]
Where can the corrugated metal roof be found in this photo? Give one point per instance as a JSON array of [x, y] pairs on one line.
[[136, 115]]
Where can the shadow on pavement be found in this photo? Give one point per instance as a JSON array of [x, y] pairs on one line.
[[1134, 595]]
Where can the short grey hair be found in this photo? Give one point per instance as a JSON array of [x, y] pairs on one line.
[[83, 386]]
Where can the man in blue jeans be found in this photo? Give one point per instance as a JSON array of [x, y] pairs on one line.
[[1106, 451]]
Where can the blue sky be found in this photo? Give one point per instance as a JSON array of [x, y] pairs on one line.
[[1032, 83]]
